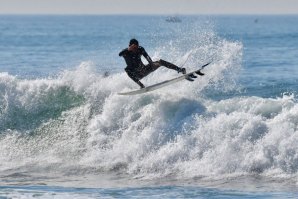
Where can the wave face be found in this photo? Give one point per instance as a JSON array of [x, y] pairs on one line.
[[76, 122]]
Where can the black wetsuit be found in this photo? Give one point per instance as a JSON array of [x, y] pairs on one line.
[[135, 68]]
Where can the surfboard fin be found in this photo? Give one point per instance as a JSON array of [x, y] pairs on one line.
[[200, 73], [192, 76], [189, 79]]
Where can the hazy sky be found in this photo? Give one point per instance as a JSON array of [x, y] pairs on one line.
[[149, 7]]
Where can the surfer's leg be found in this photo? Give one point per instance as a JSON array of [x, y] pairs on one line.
[[171, 66], [140, 84], [134, 77], [147, 69]]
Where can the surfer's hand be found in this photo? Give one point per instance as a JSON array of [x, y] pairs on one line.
[[133, 47]]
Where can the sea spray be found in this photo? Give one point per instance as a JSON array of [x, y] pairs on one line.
[[76, 123]]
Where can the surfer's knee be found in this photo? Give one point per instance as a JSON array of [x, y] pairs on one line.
[[165, 63], [161, 62], [132, 75]]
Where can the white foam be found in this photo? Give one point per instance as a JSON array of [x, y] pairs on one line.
[[174, 131]]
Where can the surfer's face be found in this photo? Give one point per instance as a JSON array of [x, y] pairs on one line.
[[133, 47]]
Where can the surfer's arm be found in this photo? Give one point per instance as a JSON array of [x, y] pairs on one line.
[[145, 54], [123, 52]]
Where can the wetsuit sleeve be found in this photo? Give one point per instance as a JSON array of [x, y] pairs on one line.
[[123, 52], [145, 54]]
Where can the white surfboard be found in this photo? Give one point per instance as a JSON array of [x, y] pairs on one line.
[[165, 83]]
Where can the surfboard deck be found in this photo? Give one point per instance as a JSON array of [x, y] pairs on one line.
[[166, 83]]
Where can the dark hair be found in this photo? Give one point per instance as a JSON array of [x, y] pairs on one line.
[[133, 41]]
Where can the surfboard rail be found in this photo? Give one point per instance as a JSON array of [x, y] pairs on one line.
[[164, 83]]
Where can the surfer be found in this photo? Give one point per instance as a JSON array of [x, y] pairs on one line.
[[136, 69]]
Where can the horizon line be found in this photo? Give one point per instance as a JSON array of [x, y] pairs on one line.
[[148, 14]]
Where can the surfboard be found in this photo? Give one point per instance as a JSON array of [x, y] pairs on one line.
[[153, 87]]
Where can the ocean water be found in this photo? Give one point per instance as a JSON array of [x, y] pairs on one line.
[[65, 133]]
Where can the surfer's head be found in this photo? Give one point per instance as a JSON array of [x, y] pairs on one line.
[[133, 45], [133, 41]]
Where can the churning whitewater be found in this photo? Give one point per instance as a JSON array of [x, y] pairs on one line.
[[75, 123]]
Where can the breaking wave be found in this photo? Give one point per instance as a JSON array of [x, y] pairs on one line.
[[76, 123]]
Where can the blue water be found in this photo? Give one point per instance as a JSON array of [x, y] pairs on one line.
[[65, 133]]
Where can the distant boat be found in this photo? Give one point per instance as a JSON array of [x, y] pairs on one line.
[[173, 19]]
